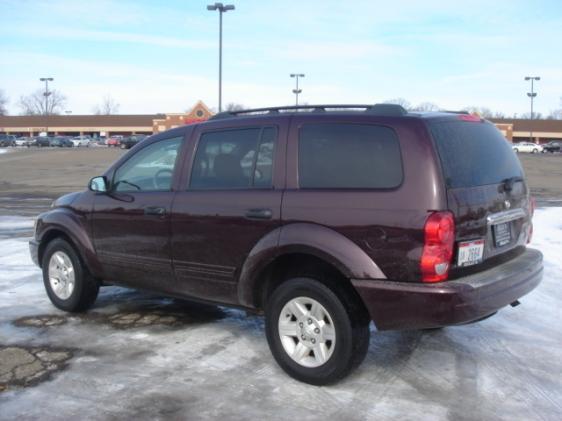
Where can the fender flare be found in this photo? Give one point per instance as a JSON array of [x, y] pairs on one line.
[[73, 226], [306, 238]]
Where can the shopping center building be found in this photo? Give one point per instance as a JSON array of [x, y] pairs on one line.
[[515, 130], [101, 125]]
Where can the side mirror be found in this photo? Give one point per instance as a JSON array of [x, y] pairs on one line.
[[98, 184]]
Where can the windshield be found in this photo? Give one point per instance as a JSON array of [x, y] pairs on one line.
[[474, 153]]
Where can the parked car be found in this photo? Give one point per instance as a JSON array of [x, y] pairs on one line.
[[7, 140], [130, 141], [79, 141], [43, 141], [114, 141], [553, 146], [527, 147], [22, 141], [411, 220], [62, 142]]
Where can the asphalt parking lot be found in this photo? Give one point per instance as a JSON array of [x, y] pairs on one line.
[[137, 355]]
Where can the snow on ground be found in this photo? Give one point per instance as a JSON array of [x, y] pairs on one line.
[[2, 150], [215, 362]]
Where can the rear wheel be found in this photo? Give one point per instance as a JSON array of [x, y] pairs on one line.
[[69, 285], [535, 150], [312, 333]]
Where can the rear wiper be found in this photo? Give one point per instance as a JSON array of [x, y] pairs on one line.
[[509, 182]]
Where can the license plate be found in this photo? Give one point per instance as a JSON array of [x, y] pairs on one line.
[[470, 253], [502, 234]]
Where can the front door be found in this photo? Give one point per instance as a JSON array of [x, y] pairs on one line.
[[131, 223], [232, 200]]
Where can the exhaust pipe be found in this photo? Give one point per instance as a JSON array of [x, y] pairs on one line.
[[515, 303]]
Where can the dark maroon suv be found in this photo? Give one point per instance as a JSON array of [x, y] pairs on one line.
[[322, 217]]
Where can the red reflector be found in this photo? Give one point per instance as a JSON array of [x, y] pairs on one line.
[[469, 117], [438, 247]]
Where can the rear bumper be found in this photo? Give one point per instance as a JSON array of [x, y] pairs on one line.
[[401, 305]]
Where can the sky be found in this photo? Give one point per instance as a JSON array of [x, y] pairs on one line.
[[154, 56]]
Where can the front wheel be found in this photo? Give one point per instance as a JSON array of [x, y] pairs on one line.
[[312, 334], [535, 151], [68, 283]]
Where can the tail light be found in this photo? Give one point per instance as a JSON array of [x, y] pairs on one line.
[[532, 206], [438, 247]]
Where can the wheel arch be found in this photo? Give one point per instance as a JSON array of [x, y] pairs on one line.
[[301, 245], [73, 228]]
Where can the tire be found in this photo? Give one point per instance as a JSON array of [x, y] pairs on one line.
[[535, 151], [73, 297], [350, 331], [515, 150]]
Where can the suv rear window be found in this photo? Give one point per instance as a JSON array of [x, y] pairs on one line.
[[353, 156], [473, 153]]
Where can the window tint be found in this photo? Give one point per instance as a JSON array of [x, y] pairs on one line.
[[349, 156], [150, 169], [474, 154], [234, 159]]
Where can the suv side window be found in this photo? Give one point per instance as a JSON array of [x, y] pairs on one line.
[[150, 169], [349, 156], [234, 159]]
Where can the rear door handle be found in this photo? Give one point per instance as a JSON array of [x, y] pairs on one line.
[[155, 210], [259, 214]]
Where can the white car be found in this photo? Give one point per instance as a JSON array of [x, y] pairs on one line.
[[22, 141], [80, 141], [527, 147]]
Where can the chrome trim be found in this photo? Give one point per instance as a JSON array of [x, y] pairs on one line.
[[506, 216]]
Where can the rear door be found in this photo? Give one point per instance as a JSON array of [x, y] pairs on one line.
[[231, 199], [486, 190]]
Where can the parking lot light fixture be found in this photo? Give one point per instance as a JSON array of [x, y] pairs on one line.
[[297, 91], [222, 8], [46, 93], [532, 95]]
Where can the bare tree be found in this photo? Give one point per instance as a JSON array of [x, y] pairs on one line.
[[233, 106], [36, 104], [108, 106], [536, 116], [400, 101], [426, 106], [3, 102]]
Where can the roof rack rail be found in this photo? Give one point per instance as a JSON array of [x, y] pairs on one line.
[[377, 109], [455, 112]]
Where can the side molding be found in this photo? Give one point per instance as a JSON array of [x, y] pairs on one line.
[[305, 238]]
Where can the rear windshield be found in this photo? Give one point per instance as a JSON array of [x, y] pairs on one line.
[[474, 153]]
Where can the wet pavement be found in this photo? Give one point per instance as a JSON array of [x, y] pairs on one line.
[[138, 355]]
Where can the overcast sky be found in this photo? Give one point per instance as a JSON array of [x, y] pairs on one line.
[[156, 56]]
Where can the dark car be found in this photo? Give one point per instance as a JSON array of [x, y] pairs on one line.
[[553, 146], [323, 220], [130, 141], [62, 142], [43, 141], [7, 140]]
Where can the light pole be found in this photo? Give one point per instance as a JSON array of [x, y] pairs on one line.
[[532, 95], [46, 93], [297, 91], [222, 9]]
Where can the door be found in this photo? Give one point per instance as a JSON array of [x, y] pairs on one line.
[[232, 199], [131, 223]]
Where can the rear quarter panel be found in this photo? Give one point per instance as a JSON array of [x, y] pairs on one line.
[[387, 225]]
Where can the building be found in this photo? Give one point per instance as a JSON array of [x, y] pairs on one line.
[[518, 130], [515, 130], [101, 125]]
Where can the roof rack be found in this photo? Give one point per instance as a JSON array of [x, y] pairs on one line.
[[376, 109]]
